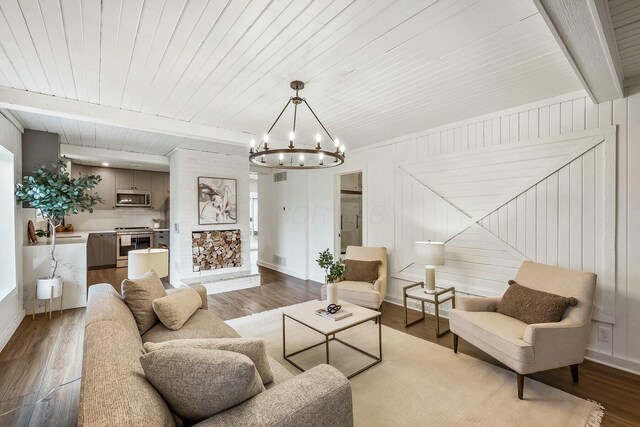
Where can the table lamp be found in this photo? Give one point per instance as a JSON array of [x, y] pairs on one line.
[[428, 255], [143, 260]]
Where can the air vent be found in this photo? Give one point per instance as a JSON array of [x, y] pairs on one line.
[[280, 176], [280, 260]]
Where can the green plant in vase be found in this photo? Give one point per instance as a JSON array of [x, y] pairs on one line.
[[333, 270], [54, 194]]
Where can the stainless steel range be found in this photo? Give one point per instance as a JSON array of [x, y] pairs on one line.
[[130, 238]]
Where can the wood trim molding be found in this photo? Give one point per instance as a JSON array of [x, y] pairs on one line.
[[20, 100], [13, 119]]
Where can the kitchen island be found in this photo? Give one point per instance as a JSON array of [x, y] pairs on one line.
[[71, 253]]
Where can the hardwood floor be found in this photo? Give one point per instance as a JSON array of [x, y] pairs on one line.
[[43, 354]]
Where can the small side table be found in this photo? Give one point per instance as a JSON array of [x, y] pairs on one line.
[[416, 291]]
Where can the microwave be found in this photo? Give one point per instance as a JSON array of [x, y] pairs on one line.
[[133, 199]]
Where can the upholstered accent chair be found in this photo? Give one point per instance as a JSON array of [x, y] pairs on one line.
[[364, 294], [536, 347]]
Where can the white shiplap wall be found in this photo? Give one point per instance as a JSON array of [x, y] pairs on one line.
[[561, 116]]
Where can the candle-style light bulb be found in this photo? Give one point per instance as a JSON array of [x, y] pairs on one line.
[[265, 138], [291, 138], [301, 159], [342, 149], [321, 156], [336, 142], [318, 140], [281, 159], [264, 158], [252, 146]]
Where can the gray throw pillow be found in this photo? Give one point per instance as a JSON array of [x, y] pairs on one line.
[[361, 271], [533, 306], [139, 294], [254, 348], [177, 307], [198, 383]]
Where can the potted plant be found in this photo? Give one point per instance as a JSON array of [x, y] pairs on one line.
[[54, 194], [333, 272]]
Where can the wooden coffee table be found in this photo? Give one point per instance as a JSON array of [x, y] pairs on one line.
[[305, 314]]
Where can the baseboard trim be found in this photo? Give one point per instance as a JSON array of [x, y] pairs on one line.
[[6, 336], [281, 269], [614, 362]]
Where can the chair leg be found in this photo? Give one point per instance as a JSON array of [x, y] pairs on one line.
[[574, 373], [520, 386], [455, 343]]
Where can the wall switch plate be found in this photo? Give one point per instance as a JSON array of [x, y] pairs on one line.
[[176, 227], [604, 334]]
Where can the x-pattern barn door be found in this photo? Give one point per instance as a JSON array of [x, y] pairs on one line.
[[550, 200]]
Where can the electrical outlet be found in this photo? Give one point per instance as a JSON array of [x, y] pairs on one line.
[[604, 334]]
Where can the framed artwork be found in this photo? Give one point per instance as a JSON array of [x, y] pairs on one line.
[[217, 201]]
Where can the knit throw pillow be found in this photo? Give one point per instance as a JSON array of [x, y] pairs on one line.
[[533, 306], [139, 294], [198, 383], [176, 308], [361, 271], [254, 348]]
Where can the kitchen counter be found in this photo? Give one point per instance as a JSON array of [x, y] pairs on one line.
[[64, 239]]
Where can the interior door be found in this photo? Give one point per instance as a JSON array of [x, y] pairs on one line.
[[351, 221]]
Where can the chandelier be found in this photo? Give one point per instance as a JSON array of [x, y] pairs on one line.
[[294, 157]]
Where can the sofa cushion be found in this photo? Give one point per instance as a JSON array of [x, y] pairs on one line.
[[501, 332], [203, 324], [359, 293], [176, 308], [114, 389], [533, 306], [254, 348], [139, 294], [198, 383], [361, 271]]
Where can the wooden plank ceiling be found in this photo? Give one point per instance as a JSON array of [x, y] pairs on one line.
[[625, 18], [375, 69]]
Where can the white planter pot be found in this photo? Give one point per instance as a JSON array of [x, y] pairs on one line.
[[332, 293], [47, 288]]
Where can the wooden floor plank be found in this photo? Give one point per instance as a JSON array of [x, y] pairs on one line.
[[43, 354]]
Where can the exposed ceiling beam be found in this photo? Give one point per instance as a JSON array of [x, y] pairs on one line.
[[584, 32], [20, 100], [92, 154]]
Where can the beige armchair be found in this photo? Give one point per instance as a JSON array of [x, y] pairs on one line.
[[364, 294], [537, 347]]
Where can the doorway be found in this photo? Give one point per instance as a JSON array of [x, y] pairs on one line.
[[253, 221], [350, 211]]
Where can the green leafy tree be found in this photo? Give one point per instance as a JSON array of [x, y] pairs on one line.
[[333, 269], [54, 194]]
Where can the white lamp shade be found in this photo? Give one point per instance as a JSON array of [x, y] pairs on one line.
[[429, 253], [143, 260]]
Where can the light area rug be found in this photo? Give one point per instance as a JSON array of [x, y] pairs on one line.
[[421, 383]]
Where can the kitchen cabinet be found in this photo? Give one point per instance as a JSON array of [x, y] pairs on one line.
[[142, 180], [101, 249], [161, 237], [106, 188], [158, 197], [124, 179], [78, 170], [127, 179]]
